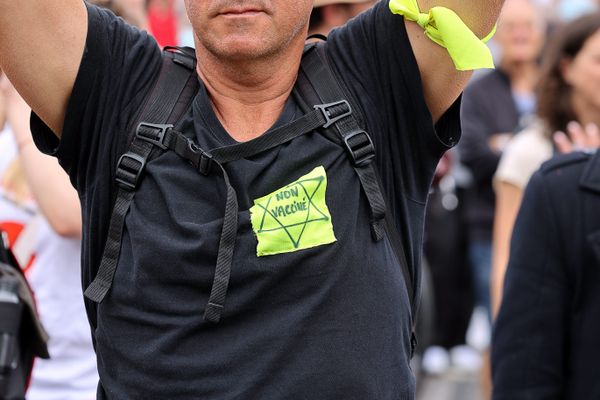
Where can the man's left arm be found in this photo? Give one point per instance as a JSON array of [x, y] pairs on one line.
[[442, 82]]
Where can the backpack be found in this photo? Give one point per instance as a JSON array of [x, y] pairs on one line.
[[327, 107], [22, 337]]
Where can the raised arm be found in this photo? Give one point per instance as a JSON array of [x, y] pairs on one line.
[[442, 83], [41, 46], [49, 184]]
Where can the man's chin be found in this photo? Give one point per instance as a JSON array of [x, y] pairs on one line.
[[245, 51]]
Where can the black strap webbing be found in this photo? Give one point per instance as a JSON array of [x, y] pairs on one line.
[[357, 141], [203, 160], [220, 284], [318, 78], [174, 85], [186, 148]]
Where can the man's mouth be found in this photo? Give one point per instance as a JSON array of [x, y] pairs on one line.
[[241, 12]]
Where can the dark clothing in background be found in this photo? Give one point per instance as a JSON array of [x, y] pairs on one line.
[[488, 108], [445, 250], [545, 342], [330, 322]]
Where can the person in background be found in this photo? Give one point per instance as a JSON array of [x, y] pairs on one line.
[[132, 11], [545, 342], [445, 249], [496, 106], [329, 14], [569, 101], [163, 22], [40, 212]]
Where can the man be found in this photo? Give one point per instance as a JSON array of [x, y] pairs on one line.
[[495, 107], [324, 317], [329, 14]]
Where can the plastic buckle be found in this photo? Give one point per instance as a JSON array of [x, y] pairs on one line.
[[153, 133], [205, 160], [333, 112], [128, 177], [360, 147]]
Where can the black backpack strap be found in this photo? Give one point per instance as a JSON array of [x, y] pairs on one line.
[[170, 97], [203, 161], [317, 78], [356, 141]]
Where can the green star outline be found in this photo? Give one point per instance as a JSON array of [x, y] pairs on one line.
[[295, 243]]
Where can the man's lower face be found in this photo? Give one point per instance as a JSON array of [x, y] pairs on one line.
[[250, 33], [254, 28]]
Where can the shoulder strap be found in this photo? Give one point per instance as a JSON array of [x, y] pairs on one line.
[[169, 99], [317, 78]]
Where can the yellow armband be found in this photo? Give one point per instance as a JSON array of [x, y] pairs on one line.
[[444, 27]]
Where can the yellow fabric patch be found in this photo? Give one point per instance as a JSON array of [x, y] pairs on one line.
[[444, 27], [294, 217]]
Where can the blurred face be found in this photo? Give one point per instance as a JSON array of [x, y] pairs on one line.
[[520, 32], [583, 74], [248, 29]]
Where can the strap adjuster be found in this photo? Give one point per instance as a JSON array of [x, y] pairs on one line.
[[153, 133], [205, 158], [333, 112], [360, 147], [129, 170]]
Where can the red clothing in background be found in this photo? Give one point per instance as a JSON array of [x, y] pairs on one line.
[[162, 21]]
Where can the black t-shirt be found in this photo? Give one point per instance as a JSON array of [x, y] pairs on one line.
[[331, 321]]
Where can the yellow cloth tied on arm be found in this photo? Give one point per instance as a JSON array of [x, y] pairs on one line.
[[444, 27]]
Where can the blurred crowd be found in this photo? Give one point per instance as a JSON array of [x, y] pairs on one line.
[[542, 99]]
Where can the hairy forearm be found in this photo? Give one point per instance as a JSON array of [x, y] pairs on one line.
[[479, 15]]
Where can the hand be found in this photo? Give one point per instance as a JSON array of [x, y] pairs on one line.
[[578, 138], [498, 141]]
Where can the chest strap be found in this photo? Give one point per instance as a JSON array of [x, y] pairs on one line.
[[336, 113], [206, 161], [132, 165]]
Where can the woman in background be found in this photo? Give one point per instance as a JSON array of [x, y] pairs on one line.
[[568, 101]]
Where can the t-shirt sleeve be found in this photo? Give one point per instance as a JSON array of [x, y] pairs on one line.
[[118, 67], [373, 56], [522, 157]]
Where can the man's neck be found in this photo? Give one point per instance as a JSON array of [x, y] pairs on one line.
[[249, 96], [523, 75]]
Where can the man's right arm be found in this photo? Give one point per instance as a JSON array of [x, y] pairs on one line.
[[41, 47]]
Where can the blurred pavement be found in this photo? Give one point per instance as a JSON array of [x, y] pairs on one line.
[[452, 385]]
